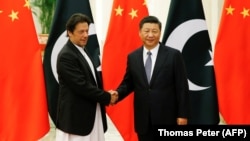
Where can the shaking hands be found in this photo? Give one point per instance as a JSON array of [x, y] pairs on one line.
[[114, 97]]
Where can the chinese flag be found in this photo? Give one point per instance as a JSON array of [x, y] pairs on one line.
[[231, 62], [23, 107], [122, 38]]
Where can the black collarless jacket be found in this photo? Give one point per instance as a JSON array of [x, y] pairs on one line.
[[78, 93]]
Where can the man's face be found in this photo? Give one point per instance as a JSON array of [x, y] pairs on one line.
[[80, 35], [150, 35]]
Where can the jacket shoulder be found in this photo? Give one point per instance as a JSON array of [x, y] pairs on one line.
[[136, 51], [169, 48]]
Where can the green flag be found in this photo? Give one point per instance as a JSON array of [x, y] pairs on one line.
[[57, 38], [186, 30]]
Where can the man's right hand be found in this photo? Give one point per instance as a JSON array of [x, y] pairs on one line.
[[114, 97]]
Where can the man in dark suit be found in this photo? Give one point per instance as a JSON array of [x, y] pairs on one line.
[[81, 104], [161, 98]]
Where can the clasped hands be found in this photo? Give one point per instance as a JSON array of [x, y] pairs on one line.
[[114, 97]]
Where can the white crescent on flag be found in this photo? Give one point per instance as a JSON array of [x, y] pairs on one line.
[[190, 27]]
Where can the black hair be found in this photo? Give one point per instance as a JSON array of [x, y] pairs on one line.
[[150, 19], [75, 19]]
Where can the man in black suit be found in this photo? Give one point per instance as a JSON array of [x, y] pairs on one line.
[[162, 97], [81, 104]]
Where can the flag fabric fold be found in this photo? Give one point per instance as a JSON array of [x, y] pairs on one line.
[[23, 105], [122, 38], [186, 30], [231, 59], [57, 38]]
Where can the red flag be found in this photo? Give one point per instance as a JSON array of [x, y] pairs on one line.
[[23, 107], [231, 62], [122, 38]]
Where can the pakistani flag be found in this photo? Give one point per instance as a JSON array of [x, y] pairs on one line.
[[57, 38], [186, 31]]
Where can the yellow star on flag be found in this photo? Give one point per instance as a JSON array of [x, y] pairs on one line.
[[230, 10], [245, 12], [119, 11], [27, 4], [133, 13], [13, 15]]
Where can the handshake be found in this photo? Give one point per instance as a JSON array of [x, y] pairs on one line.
[[114, 97]]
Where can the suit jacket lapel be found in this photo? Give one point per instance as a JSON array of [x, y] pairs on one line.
[[161, 58], [72, 46], [98, 81]]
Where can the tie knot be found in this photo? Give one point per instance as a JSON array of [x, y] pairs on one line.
[[149, 53]]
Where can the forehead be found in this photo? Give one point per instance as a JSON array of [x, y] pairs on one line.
[[150, 26], [82, 25]]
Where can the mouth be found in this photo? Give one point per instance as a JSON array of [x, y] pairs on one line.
[[150, 41], [84, 40]]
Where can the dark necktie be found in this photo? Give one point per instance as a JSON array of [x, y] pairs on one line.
[[148, 66]]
